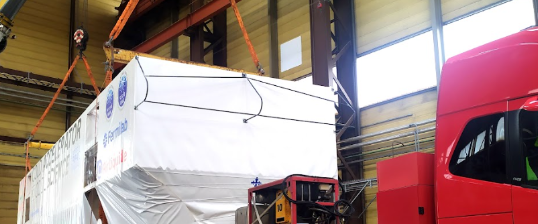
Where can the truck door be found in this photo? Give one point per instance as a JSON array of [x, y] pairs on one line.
[[472, 185], [523, 129]]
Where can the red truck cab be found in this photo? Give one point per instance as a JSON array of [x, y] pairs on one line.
[[486, 150]]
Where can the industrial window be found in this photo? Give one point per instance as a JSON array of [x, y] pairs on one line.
[[27, 210], [90, 173], [481, 150], [528, 125], [487, 26], [400, 69]]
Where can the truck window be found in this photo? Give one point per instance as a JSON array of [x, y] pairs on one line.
[[481, 150], [528, 125]]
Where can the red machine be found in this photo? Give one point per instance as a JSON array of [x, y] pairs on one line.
[[307, 200], [485, 165]]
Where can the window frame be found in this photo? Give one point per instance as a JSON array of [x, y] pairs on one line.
[[518, 153], [455, 157]]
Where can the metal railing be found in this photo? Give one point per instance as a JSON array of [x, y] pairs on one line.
[[417, 130]]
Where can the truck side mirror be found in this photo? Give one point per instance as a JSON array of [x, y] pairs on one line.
[[531, 104]]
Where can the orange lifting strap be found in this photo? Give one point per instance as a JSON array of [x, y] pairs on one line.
[[28, 165], [247, 39], [123, 19], [113, 35], [66, 77], [125, 15]]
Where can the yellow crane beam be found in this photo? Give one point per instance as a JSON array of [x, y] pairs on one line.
[[122, 56], [40, 145]]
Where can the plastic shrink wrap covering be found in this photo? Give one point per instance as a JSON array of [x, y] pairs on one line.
[[168, 142]]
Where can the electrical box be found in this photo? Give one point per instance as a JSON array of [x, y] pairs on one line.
[[409, 205], [405, 193], [407, 170], [283, 209]]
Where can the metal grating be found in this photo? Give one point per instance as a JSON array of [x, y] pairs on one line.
[[37, 82], [360, 185]]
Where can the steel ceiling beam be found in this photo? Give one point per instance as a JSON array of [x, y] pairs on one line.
[[143, 7], [436, 17], [197, 38], [174, 17], [321, 54], [535, 6], [273, 38], [220, 29], [197, 17], [42, 82]]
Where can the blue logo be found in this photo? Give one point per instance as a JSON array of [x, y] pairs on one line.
[[256, 182], [115, 133], [109, 103], [122, 91]]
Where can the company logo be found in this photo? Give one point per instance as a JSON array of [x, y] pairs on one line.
[[109, 103], [112, 162], [256, 182], [122, 91], [111, 135]]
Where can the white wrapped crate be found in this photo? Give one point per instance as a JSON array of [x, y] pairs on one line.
[[173, 146]]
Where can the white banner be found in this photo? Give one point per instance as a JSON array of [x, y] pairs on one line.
[[115, 127], [55, 184]]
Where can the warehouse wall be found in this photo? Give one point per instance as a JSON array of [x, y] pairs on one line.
[[412, 108], [380, 22], [293, 21], [255, 18], [164, 20], [17, 120], [41, 47], [42, 43], [10, 177]]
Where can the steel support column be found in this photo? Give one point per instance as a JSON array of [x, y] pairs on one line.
[[436, 17], [345, 42], [320, 32], [273, 37], [201, 15], [535, 4], [174, 17], [197, 37], [220, 54]]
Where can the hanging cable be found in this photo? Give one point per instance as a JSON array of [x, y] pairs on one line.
[[234, 112], [261, 100], [247, 39], [147, 83]]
